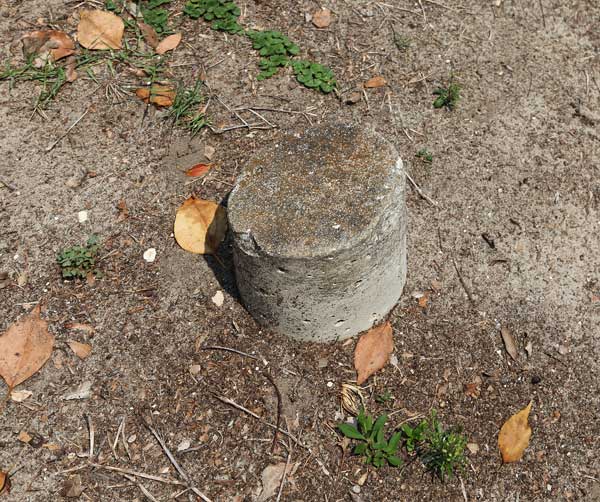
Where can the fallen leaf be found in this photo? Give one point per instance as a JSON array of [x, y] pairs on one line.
[[71, 72], [81, 350], [514, 435], [169, 43], [322, 18], [198, 170], [47, 45], [200, 226], [24, 437], [374, 82], [149, 34], [82, 391], [473, 448], [271, 479], [100, 30], [473, 389], [4, 482], [159, 95], [123, 210], [509, 343], [80, 327], [373, 351], [423, 299], [72, 487], [18, 396], [24, 348], [209, 151]]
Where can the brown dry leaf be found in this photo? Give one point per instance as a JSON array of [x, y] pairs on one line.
[[423, 299], [514, 435], [271, 479], [81, 350], [322, 18], [24, 348], [149, 34], [200, 226], [169, 43], [509, 343], [4, 482], [373, 351], [47, 44], [198, 170], [159, 95], [24, 437], [100, 30], [374, 82], [71, 68], [473, 389]]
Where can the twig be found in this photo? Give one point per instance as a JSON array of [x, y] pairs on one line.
[[8, 185], [124, 439], [231, 402], [90, 425], [432, 2], [227, 349], [142, 488], [420, 192], [543, 13], [137, 473], [270, 379], [184, 475], [464, 491], [285, 469], [68, 131], [463, 283]]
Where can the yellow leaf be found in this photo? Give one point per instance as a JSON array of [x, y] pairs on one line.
[[373, 351], [514, 435], [169, 43], [24, 348], [43, 44], [159, 95], [81, 350], [100, 30], [200, 226]]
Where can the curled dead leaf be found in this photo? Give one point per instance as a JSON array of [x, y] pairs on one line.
[[100, 30], [169, 43], [374, 82], [514, 435], [24, 348], [322, 18], [200, 226], [47, 45], [4, 482], [373, 351], [198, 170], [509, 343], [159, 95], [81, 350]]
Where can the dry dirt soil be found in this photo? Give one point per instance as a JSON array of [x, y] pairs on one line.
[[518, 160]]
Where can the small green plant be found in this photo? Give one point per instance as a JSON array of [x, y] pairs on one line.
[[77, 261], [384, 398], [372, 445], [155, 15], [185, 111], [314, 75], [413, 436], [275, 49], [222, 13], [425, 155], [447, 96], [442, 451], [402, 43]]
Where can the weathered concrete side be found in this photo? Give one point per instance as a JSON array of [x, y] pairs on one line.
[[319, 226]]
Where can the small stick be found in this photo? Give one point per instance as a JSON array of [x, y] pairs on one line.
[[142, 488], [137, 473], [270, 379], [227, 349], [432, 2], [68, 131], [463, 283], [285, 469], [543, 13], [124, 439], [8, 185], [420, 192], [90, 425], [173, 461]]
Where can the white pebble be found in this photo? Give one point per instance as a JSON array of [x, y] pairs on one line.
[[150, 255], [82, 216], [218, 299]]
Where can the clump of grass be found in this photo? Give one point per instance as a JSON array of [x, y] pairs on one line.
[[425, 155], [185, 111], [77, 261], [447, 96]]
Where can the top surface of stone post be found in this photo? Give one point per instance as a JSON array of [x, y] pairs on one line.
[[316, 193]]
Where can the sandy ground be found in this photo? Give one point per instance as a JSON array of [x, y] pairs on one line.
[[517, 160]]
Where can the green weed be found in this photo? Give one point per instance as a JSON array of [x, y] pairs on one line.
[[425, 155], [222, 13], [185, 111], [314, 75], [402, 43], [447, 96], [384, 398], [372, 444], [155, 15], [275, 49], [77, 261]]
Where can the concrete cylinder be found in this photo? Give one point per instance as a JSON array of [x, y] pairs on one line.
[[319, 232]]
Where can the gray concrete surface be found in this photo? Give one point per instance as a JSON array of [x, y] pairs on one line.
[[319, 226]]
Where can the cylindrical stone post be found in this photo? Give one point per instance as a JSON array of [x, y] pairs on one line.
[[319, 227]]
